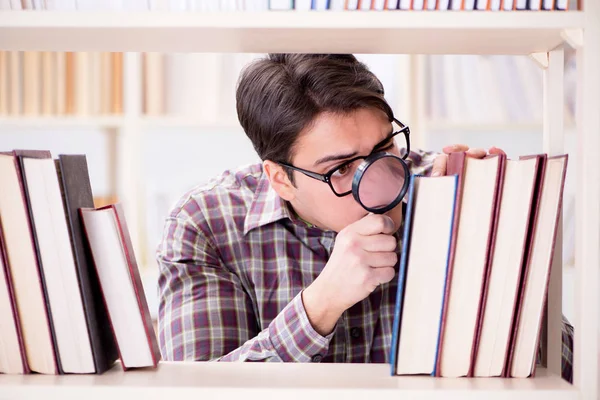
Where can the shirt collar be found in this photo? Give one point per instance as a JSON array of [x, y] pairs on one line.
[[266, 207]]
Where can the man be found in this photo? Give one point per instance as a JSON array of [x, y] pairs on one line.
[[278, 261]]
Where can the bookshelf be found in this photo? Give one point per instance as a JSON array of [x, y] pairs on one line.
[[539, 34], [272, 380]]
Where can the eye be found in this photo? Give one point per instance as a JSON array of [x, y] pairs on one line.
[[343, 170]]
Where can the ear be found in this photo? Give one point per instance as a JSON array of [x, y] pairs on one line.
[[279, 180]]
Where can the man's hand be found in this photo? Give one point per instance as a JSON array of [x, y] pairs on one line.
[[363, 258], [439, 164]]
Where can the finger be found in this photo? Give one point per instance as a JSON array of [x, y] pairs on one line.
[[495, 150], [381, 259], [377, 243], [476, 153], [454, 148], [374, 224], [383, 275], [439, 165]]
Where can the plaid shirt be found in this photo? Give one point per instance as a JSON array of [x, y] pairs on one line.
[[233, 264]]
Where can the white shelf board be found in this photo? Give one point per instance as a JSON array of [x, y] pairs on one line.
[[279, 380], [416, 32], [67, 121]]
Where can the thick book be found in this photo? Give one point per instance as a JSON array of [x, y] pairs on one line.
[[424, 268], [57, 265], [536, 275], [479, 181], [22, 264], [76, 190], [122, 291], [13, 358], [508, 253]]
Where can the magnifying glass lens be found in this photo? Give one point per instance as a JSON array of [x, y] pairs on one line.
[[381, 183]]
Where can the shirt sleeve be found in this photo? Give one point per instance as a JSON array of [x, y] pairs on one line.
[[205, 314], [420, 162]]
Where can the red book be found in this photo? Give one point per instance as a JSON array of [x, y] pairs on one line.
[[473, 233]]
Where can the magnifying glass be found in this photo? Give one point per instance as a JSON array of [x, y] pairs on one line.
[[380, 182]]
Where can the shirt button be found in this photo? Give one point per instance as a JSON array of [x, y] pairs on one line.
[[317, 358], [355, 333]]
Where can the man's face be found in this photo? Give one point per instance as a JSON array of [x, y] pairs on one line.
[[330, 141]]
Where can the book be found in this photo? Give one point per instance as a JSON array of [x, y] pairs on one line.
[[56, 262], [536, 275], [479, 180], [428, 231], [122, 291], [72, 170], [23, 268], [13, 359], [510, 240]]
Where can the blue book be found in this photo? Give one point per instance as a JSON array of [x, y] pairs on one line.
[[427, 236]]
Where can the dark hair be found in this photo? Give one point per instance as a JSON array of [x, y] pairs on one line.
[[280, 95]]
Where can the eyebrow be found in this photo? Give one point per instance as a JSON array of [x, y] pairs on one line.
[[338, 157]]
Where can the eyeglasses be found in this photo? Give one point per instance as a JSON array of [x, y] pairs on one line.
[[340, 178]]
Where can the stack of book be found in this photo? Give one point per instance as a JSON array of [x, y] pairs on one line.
[[34, 83], [71, 299], [300, 5], [475, 266]]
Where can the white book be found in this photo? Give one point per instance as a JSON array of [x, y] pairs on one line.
[[123, 295], [228, 5], [423, 273], [280, 4], [320, 5], [475, 227], [520, 4], [506, 266], [179, 5], [563, 4], [537, 270], [16, 5], [495, 5], [431, 5], [58, 265], [4, 107], [336, 5], [443, 5], [548, 4], [534, 5], [469, 5], [61, 81], [507, 5], [364, 5], [23, 267], [418, 5], [5, 5], [302, 5], [159, 5], [15, 85], [481, 5], [135, 5], [11, 361], [351, 4], [456, 5], [392, 4]]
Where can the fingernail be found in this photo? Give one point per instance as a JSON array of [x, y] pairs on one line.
[[436, 173]]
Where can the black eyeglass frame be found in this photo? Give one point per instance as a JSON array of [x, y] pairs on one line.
[[326, 177]]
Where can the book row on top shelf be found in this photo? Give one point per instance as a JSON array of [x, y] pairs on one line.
[[60, 83], [198, 89], [282, 5]]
